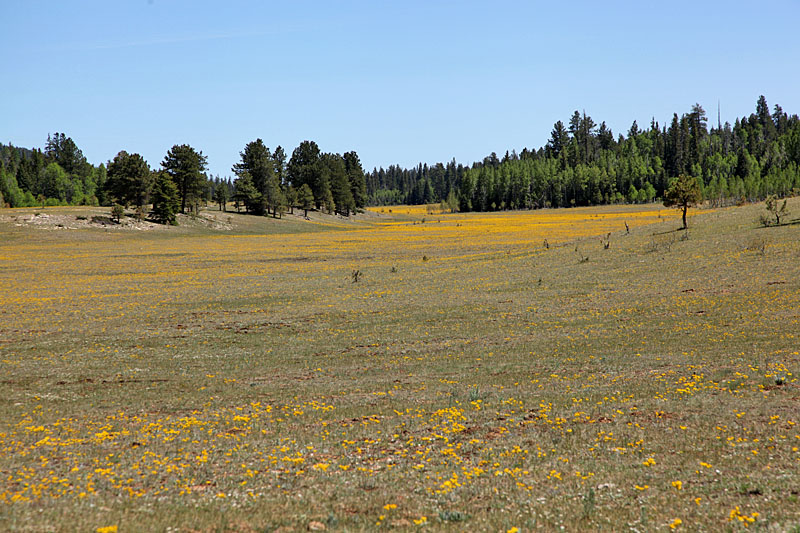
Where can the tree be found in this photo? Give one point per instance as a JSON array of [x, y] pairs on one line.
[[777, 212], [221, 195], [63, 150], [129, 179], [9, 189], [166, 199], [305, 167], [279, 162], [185, 166], [117, 212], [256, 161], [247, 195], [355, 175], [683, 193], [336, 175], [559, 138], [54, 182], [697, 132], [305, 198], [291, 198]]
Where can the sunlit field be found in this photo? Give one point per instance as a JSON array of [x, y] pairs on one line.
[[405, 370]]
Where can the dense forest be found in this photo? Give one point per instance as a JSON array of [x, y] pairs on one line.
[[584, 164], [581, 164]]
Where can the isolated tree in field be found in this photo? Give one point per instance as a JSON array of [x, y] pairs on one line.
[[186, 167], [305, 198], [129, 179], [166, 201], [776, 211], [683, 193], [221, 196]]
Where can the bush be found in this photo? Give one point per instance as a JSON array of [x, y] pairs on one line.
[[117, 212]]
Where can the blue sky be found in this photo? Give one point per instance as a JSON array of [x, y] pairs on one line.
[[399, 82]]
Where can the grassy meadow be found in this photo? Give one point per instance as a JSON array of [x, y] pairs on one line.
[[404, 370]]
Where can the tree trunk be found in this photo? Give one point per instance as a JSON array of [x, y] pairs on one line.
[[685, 208]]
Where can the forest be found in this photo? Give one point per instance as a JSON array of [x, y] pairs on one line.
[[585, 164], [582, 164], [265, 183]]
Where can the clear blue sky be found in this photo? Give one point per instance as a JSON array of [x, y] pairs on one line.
[[399, 82]]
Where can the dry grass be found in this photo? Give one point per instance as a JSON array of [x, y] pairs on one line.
[[226, 380]]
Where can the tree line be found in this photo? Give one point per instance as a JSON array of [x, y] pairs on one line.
[[583, 163], [265, 182]]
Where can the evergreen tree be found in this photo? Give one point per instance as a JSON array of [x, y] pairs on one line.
[[305, 168], [305, 198], [129, 179], [257, 162], [336, 175], [186, 167], [697, 133], [355, 176], [63, 150], [559, 138], [683, 193], [166, 199], [221, 196], [246, 195], [279, 162], [291, 198]]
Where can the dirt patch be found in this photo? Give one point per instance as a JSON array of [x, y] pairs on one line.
[[50, 221]]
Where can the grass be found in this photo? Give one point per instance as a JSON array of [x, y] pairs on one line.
[[239, 380]]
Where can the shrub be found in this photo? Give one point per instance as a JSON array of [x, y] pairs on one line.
[[117, 212]]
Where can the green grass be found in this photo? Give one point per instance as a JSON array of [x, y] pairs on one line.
[[238, 380]]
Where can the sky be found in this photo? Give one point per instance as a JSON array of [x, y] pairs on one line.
[[399, 82]]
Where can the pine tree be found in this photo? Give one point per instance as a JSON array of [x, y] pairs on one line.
[[559, 138], [355, 175], [291, 198], [305, 198], [129, 179], [257, 162], [221, 196], [185, 166], [336, 175], [279, 162], [305, 168], [247, 195], [166, 200], [683, 193]]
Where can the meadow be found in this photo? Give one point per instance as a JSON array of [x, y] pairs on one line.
[[405, 370]]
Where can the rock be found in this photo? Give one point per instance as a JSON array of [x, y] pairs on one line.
[[316, 526]]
